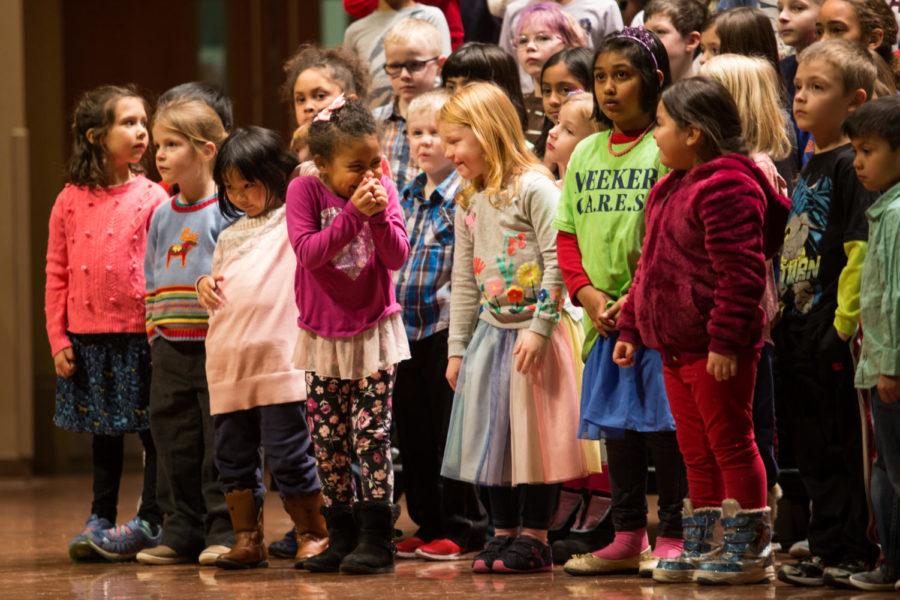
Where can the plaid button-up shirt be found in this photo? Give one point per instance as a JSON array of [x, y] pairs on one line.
[[395, 144], [423, 284]]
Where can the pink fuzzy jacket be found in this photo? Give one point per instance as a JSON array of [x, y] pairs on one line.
[[700, 280], [95, 259]]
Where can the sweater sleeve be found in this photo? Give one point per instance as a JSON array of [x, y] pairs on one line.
[[731, 211], [315, 247], [389, 230], [890, 364], [571, 265], [846, 316], [56, 291], [149, 261], [465, 296], [540, 204], [627, 323]]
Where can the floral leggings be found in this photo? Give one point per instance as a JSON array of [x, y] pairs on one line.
[[351, 418]]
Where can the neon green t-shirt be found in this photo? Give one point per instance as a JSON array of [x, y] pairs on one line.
[[602, 203]]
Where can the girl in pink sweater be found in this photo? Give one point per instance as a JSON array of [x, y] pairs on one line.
[[348, 233], [94, 304], [256, 395]]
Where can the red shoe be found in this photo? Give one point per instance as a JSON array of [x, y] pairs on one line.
[[441, 549], [408, 547]]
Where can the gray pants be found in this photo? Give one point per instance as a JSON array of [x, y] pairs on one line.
[[190, 495]]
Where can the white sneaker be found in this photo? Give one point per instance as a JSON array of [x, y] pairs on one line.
[[211, 554], [800, 549], [161, 555]]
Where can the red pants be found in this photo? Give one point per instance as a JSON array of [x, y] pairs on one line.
[[714, 426]]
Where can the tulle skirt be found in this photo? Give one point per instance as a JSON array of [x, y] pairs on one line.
[[507, 428]]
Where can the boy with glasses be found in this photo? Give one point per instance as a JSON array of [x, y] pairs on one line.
[[413, 56]]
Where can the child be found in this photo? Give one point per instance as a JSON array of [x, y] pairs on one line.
[[366, 36], [824, 247], [94, 309], [567, 71], [448, 513], [871, 23], [703, 260], [709, 39], [574, 124], [542, 30], [600, 223], [476, 61], [257, 397], [874, 131], [347, 231], [180, 244], [753, 85], [797, 28], [511, 363], [677, 24], [313, 78], [414, 62]]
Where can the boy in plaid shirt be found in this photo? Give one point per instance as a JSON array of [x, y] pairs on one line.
[[449, 515]]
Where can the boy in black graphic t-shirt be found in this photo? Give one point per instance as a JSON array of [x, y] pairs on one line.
[[824, 248]]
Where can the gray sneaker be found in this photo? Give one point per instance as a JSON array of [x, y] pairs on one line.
[[700, 543], [872, 581], [746, 555], [838, 576]]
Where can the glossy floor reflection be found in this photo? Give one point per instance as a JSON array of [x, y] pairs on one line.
[[38, 517]]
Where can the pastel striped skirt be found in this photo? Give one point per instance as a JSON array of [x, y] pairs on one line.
[[507, 428]]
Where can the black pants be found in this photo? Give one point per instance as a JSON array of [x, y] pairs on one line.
[[184, 435], [281, 430], [628, 455], [529, 505], [441, 507], [825, 430], [764, 414], [108, 454]]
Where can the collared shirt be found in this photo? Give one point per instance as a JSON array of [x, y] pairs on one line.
[[395, 143], [423, 284]]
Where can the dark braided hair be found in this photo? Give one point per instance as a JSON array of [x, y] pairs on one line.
[[351, 121], [707, 105]]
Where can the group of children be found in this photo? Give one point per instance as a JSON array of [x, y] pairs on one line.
[[532, 319]]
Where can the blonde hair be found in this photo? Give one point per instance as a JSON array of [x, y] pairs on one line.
[[414, 32], [485, 109], [193, 119], [852, 61], [756, 90], [431, 101], [586, 108]]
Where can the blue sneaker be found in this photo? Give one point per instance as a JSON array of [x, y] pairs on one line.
[[79, 548], [123, 542]]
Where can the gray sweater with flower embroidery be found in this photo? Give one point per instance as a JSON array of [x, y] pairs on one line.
[[505, 261]]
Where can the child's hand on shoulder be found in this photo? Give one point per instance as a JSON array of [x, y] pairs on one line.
[[721, 366], [452, 374], [623, 354], [889, 388], [209, 293], [64, 362], [594, 303], [529, 352]]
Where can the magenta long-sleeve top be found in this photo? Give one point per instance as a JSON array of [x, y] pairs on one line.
[[343, 283]]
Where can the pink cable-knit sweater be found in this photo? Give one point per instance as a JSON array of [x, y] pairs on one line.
[[95, 259]]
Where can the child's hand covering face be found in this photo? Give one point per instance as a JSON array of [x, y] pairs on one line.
[[370, 197]]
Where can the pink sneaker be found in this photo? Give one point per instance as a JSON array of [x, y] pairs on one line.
[[441, 549], [408, 547], [665, 548]]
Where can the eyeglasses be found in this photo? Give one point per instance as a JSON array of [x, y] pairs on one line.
[[541, 39], [413, 66]]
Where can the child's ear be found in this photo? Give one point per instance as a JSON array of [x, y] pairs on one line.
[[660, 77], [440, 63], [692, 42], [859, 98], [209, 150], [91, 135], [694, 137], [876, 36]]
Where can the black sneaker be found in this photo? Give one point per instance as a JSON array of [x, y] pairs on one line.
[[484, 561], [838, 576], [524, 555], [808, 572], [873, 581]]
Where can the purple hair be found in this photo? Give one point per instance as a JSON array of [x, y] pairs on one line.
[[555, 20]]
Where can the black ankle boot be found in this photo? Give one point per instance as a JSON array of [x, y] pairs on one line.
[[342, 540], [375, 552]]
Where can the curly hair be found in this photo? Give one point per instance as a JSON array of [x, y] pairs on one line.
[[353, 121], [342, 64]]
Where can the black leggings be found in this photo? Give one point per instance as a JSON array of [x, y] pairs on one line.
[[529, 505], [108, 455]]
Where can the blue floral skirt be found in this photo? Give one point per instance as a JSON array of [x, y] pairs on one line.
[[110, 390]]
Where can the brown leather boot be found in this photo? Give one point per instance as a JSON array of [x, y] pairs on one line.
[[249, 551], [312, 534]]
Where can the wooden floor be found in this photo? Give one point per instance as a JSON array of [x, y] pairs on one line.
[[38, 516]]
